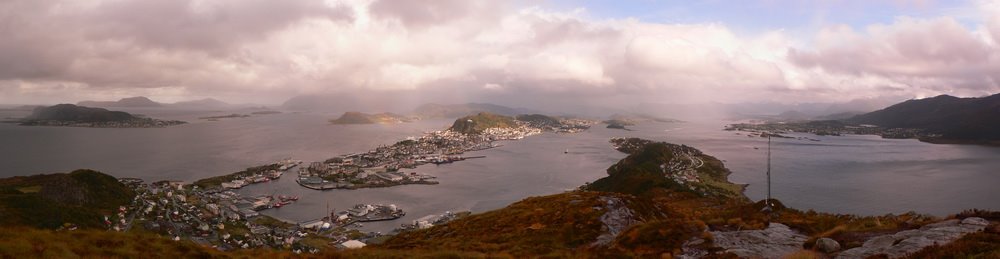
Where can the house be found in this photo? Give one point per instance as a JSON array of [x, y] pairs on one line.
[[259, 230], [393, 177], [249, 213]]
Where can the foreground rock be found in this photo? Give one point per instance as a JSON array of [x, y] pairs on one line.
[[906, 242], [775, 241], [827, 245]]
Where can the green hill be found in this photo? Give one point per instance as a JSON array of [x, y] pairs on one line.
[[69, 112], [81, 197], [364, 118], [475, 124], [658, 165]]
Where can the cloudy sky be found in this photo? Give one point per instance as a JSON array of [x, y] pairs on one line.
[[265, 51]]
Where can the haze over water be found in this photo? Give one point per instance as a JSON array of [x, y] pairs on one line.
[[848, 174]]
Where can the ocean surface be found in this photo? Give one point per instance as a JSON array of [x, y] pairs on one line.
[[848, 174]]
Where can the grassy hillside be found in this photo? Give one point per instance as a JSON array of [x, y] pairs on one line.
[[475, 124], [48, 201]]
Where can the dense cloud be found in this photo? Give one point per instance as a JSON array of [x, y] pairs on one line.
[[267, 51]]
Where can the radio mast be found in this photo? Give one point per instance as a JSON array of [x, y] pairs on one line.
[[767, 202]]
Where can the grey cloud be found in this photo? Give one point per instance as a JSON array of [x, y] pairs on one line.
[[134, 43]]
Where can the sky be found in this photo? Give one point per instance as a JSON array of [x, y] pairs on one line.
[[522, 51]]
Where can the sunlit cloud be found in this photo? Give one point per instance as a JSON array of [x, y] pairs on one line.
[[266, 51]]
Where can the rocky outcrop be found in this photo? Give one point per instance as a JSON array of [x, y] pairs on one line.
[[617, 217], [908, 241], [773, 242]]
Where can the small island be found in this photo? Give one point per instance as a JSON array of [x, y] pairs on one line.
[[68, 115], [378, 118], [230, 116], [618, 124]]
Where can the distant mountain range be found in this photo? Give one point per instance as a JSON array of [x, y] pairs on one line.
[[138, 101], [954, 118], [143, 102], [439, 111]]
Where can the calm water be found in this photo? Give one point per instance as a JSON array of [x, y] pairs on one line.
[[849, 174]]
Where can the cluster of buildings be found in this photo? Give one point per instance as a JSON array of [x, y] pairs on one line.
[[248, 177], [381, 167], [830, 128], [683, 167], [216, 218], [433, 220]]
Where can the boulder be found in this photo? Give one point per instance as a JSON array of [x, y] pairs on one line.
[[775, 241], [827, 245], [905, 242]]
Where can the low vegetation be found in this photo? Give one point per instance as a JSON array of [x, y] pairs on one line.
[[79, 198]]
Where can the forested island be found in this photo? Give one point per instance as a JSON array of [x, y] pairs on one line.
[[70, 115]]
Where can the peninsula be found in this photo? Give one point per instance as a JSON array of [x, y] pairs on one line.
[[941, 120], [382, 167]]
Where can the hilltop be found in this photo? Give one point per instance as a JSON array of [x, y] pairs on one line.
[[81, 198], [474, 124], [364, 118]]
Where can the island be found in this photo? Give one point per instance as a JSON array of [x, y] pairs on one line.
[[618, 124], [378, 118], [79, 116], [228, 116], [383, 166]]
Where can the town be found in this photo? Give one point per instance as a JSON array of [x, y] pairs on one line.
[[829, 128], [226, 220], [210, 213]]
